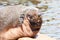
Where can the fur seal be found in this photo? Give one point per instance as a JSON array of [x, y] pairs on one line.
[[13, 17]]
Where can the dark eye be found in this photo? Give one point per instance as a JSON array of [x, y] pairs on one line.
[[29, 16]]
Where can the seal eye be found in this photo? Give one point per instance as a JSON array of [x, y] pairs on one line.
[[30, 16]]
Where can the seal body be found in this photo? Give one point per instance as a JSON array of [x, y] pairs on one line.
[[12, 16]]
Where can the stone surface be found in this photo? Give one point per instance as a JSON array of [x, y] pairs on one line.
[[40, 37]]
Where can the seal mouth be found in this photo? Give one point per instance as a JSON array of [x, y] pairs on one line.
[[34, 23], [35, 29]]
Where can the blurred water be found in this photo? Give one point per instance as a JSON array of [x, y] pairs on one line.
[[51, 20]]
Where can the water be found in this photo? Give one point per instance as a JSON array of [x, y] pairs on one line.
[[52, 27]]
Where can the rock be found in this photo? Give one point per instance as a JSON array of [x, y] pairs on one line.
[[26, 38], [40, 37]]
